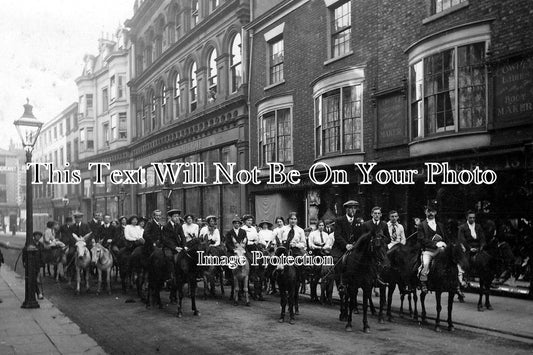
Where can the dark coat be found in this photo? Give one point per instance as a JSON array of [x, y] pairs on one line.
[[465, 236], [172, 237], [152, 233], [65, 235], [345, 233], [104, 234], [228, 238], [425, 235], [94, 226], [381, 228], [81, 230]]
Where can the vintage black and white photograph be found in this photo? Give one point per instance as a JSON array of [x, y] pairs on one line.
[[266, 177]]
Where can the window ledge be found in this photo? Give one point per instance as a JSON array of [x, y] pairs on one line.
[[445, 12], [274, 85], [332, 60]]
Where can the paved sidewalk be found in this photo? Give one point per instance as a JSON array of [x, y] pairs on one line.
[[45, 330]]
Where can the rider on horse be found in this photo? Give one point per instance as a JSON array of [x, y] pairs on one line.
[[432, 239], [471, 235], [348, 230]]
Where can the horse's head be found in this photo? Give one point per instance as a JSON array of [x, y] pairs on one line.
[[96, 253], [239, 251], [81, 248]]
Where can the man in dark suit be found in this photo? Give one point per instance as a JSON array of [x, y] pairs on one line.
[[80, 229], [347, 230], [106, 233], [152, 233], [432, 239], [376, 225], [172, 236], [95, 223], [472, 236]]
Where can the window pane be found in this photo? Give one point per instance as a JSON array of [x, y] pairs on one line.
[[284, 136], [351, 102], [331, 121], [341, 29], [472, 86]]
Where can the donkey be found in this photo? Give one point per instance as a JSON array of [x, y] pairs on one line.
[[103, 260], [82, 258], [240, 275], [289, 283]]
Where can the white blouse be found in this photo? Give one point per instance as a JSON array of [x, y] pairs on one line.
[[190, 231], [215, 235], [266, 236], [251, 234], [133, 233]]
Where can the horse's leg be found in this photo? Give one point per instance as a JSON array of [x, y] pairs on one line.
[[99, 287], [450, 308], [78, 280], [193, 295], [438, 295], [351, 303], [283, 302], [180, 298], [292, 294], [382, 301], [108, 276], [423, 305], [371, 303], [87, 276], [356, 308], [409, 300], [221, 276], [415, 301], [235, 289], [488, 306], [367, 293], [206, 284], [342, 295], [245, 285], [390, 293], [480, 291]]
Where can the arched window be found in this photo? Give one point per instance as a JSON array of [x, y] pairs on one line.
[[177, 96], [212, 75], [163, 103], [236, 62], [193, 89]]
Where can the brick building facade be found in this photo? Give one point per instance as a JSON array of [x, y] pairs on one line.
[[397, 83]]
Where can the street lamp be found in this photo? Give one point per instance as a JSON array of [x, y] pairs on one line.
[[28, 128], [120, 198]]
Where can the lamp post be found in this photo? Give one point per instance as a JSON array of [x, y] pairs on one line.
[[28, 128], [121, 197]]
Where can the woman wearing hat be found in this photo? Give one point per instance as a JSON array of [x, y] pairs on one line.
[[266, 235], [210, 232], [278, 230], [190, 229]]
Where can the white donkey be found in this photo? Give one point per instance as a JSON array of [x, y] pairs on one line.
[[103, 260], [82, 260]]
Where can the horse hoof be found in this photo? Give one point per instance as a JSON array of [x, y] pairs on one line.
[[40, 296], [381, 321], [179, 315], [109, 293], [297, 313], [281, 320], [366, 330], [247, 304], [480, 308], [348, 328], [196, 313], [461, 299], [489, 308], [291, 321], [390, 319], [343, 318], [235, 303], [77, 293], [437, 329], [451, 328]]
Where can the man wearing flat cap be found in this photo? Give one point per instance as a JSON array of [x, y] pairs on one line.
[[80, 229], [347, 230]]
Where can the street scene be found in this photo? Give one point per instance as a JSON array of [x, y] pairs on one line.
[[243, 176]]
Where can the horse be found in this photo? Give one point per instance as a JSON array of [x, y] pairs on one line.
[[160, 269], [443, 277], [288, 283], [241, 274], [186, 270], [82, 260], [488, 263], [52, 256], [103, 260], [361, 270], [258, 273], [212, 272]]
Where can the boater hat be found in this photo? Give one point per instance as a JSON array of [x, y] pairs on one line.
[[351, 203], [173, 211], [265, 222], [77, 214], [246, 217], [210, 217]]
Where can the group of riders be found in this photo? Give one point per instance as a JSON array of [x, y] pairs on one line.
[[339, 238]]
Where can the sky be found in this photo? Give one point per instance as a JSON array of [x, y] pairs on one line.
[[42, 44]]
